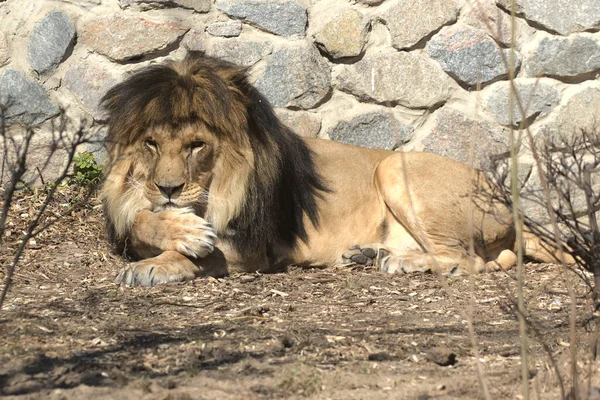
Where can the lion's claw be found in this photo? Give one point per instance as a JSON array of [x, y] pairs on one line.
[[167, 267], [188, 233]]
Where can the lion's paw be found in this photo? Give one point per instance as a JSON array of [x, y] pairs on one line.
[[368, 254], [378, 255], [155, 271], [398, 265], [187, 233]]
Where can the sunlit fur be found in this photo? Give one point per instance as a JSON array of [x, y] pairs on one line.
[[192, 142], [253, 198]]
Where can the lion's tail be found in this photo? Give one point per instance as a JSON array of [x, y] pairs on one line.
[[541, 251]]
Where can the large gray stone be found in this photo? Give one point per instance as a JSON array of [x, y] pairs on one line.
[[195, 40], [46, 154], [398, 78], [452, 134], [343, 35], [225, 29], [97, 146], [565, 57], [123, 38], [582, 111], [370, 2], [89, 83], [485, 15], [24, 100], [4, 54], [295, 76], [281, 17], [469, 54], [51, 38], [409, 21], [197, 5], [240, 52], [538, 97], [562, 16], [378, 130], [304, 123]]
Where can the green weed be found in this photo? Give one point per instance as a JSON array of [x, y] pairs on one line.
[[86, 171]]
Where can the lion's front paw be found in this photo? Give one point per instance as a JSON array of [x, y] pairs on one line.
[[162, 269], [187, 233]]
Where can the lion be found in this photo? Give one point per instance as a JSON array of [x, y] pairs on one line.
[[204, 180]]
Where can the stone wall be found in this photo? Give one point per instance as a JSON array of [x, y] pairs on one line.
[[397, 74]]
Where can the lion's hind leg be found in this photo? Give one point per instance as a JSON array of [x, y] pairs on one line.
[[445, 262], [390, 260]]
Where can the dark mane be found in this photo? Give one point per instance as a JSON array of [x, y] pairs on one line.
[[279, 205], [284, 184], [195, 89]]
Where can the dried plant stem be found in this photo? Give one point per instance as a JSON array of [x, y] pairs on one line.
[[15, 174], [471, 233], [11, 269], [468, 316], [514, 144], [35, 226], [593, 221], [520, 273], [557, 243], [515, 99]]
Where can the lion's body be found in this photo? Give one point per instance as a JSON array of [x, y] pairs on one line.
[[406, 202], [205, 180], [349, 173]]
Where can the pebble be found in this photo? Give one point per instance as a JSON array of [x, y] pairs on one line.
[[441, 356], [379, 356], [247, 278]]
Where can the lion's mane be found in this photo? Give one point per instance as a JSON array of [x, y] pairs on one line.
[[259, 201]]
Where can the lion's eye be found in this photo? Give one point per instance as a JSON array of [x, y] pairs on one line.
[[197, 145], [151, 143]]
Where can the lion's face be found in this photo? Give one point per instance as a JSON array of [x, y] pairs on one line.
[[179, 163], [218, 149]]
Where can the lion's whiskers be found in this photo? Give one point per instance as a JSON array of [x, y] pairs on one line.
[[134, 183], [206, 196]]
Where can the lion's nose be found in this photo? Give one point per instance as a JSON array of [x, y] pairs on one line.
[[170, 191]]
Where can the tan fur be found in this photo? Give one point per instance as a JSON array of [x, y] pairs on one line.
[[124, 194], [420, 210], [423, 208], [229, 186]]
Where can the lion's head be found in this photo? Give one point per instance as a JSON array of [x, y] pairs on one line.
[[196, 134], [179, 162]]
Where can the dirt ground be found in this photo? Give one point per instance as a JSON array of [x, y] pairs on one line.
[[68, 332]]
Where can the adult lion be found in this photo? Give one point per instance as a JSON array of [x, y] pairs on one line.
[[204, 179]]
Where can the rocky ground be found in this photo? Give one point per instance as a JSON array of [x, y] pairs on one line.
[[68, 332]]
